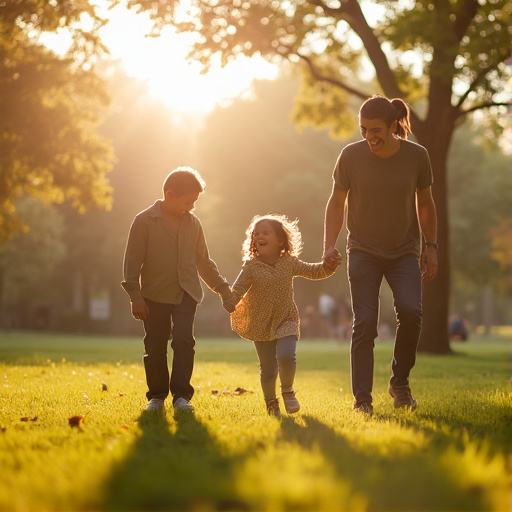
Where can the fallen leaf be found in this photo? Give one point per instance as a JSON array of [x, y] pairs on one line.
[[236, 392], [74, 421], [241, 391]]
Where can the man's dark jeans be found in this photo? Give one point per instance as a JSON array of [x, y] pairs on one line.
[[365, 274], [165, 321]]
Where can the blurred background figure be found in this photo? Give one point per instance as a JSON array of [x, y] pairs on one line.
[[328, 312], [458, 328]]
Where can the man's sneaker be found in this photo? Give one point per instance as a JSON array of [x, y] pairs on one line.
[[363, 408], [273, 408], [291, 404], [155, 404], [182, 404], [403, 397]]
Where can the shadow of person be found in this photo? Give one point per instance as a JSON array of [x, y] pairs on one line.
[[174, 465], [383, 472]]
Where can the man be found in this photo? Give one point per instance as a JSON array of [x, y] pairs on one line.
[[385, 181]]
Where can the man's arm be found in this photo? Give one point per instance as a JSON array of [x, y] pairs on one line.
[[334, 213], [427, 217]]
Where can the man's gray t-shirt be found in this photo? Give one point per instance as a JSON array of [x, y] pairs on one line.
[[381, 214]]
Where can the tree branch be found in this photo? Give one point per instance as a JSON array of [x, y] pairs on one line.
[[479, 77], [350, 11], [333, 81], [465, 16], [484, 106]]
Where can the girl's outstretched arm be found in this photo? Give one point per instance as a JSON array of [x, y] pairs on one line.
[[240, 287]]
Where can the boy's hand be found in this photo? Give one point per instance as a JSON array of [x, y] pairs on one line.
[[140, 309], [228, 301], [228, 306]]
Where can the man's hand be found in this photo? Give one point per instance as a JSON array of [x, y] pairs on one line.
[[428, 263], [331, 258], [140, 309]]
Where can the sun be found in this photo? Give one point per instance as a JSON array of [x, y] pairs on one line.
[[162, 63]]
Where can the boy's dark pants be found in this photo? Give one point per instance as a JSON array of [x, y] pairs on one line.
[[165, 321]]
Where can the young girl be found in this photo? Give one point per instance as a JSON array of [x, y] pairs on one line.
[[262, 306]]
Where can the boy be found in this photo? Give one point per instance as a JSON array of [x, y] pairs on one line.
[[165, 254]]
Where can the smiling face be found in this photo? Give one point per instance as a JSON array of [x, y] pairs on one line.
[[265, 240], [379, 136]]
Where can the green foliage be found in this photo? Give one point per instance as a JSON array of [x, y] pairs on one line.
[[477, 177], [50, 110], [28, 259], [448, 57], [459, 46], [231, 455]]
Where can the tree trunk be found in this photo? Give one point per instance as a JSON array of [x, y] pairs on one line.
[[436, 137]]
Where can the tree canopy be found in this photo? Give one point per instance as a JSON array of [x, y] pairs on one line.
[[51, 106], [447, 59]]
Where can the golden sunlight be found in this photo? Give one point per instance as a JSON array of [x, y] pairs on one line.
[[171, 78]]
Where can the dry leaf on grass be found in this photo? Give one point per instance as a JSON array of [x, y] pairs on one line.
[[75, 421], [236, 392]]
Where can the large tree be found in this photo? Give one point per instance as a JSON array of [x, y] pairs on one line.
[[50, 107], [444, 57]]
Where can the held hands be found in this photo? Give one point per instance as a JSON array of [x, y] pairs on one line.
[[332, 258], [139, 309], [228, 300], [428, 263], [228, 305]]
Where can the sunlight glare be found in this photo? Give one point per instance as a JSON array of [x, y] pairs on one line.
[[171, 78]]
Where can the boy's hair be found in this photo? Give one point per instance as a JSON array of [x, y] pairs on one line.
[[379, 107], [184, 180], [286, 230]]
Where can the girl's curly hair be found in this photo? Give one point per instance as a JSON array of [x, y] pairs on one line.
[[286, 230]]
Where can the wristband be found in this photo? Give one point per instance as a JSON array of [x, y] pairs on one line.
[[432, 244]]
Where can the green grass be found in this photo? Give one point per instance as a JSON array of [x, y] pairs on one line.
[[452, 454]]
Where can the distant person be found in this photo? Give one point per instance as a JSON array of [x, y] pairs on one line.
[[328, 312], [165, 255], [458, 328], [262, 306], [385, 181]]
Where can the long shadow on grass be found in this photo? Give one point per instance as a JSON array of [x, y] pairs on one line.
[[401, 480], [174, 465]]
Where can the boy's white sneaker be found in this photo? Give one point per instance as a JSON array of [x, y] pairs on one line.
[[291, 404], [182, 404], [155, 404]]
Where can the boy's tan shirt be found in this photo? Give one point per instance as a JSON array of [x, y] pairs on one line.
[[160, 263]]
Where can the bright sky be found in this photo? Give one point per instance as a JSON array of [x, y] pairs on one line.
[[162, 63]]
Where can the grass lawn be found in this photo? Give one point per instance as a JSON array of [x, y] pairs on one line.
[[452, 454]]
